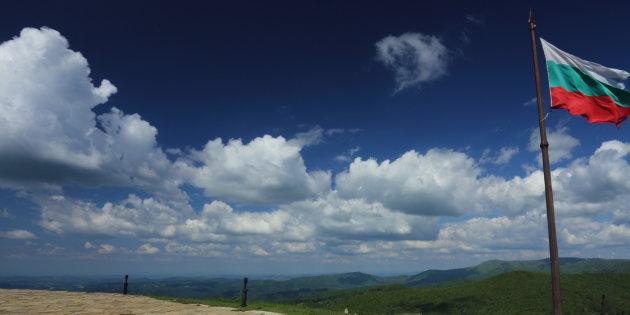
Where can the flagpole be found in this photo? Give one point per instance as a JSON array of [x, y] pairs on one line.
[[544, 146]]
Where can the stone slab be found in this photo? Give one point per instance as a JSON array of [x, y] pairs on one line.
[[63, 302]]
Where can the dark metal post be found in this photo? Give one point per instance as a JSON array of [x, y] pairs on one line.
[[551, 217], [126, 284], [244, 293], [603, 309]]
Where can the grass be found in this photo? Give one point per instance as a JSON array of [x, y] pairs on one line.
[[289, 309]]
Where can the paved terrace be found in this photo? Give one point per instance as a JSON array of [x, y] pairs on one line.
[[62, 302]]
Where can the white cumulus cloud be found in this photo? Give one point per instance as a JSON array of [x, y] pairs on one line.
[[560, 144], [147, 249], [106, 249], [267, 170], [512, 196], [598, 183], [131, 217], [49, 133], [46, 97], [503, 156], [525, 231], [585, 233], [18, 235], [6, 214], [358, 219], [439, 183], [219, 218], [348, 155], [413, 57]]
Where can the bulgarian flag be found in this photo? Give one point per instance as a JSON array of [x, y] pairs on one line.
[[586, 88]]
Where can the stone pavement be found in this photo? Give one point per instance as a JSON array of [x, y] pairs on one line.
[[62, 302]]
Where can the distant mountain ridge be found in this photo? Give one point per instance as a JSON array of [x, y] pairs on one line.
[[568, 265], [274, 290]]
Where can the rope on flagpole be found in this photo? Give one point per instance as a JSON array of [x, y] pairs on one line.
[[547, 114]]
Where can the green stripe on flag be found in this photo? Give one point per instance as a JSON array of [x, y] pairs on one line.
[[575, 80]]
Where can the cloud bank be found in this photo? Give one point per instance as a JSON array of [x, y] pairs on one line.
[[439, 202]]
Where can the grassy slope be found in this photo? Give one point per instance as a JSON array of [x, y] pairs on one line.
[[515, 292]]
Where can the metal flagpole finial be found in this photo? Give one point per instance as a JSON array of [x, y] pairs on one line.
[[532, 25]]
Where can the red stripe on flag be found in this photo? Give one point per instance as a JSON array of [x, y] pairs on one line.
[[596, 109]]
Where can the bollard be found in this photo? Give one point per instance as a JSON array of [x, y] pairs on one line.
[[244, 293], [603, 310], [125, 286]]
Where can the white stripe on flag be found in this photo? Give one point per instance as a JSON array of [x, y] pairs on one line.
[[607, 75]]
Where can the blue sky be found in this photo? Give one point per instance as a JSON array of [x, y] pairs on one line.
[[292, 138]]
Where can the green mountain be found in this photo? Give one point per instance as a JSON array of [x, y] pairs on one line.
[[515, 292], [443, 278]]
